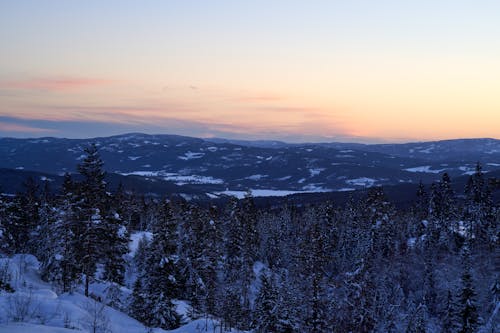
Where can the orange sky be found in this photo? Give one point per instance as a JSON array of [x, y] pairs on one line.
[[289, 70]]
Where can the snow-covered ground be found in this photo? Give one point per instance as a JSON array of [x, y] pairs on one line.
[[270, 193], [363, 181], [34, 307], [425, 168], [175, 177]]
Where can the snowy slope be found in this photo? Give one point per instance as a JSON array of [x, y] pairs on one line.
[[39, 309]]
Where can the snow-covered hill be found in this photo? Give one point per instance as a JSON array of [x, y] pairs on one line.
[[210, 167], [34, 307]]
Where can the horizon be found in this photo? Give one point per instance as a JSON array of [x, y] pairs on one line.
[[328, 71], [243, 140]]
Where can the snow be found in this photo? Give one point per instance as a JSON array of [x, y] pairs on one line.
[[40, 141], [467, 170], [345, 189], [494, 164], [316, 171], [33, 328], [200, 325], [271, 193], [258, 193], [122, 231], [133, 158], [363, 181], [425, 168], [67, 313], [175, 177], [20, 168], [43, 179], [411, 242], [135, 238], [314, 188], [192, 179], [256, 177], [191, 156], [212, 149], [142, 173]]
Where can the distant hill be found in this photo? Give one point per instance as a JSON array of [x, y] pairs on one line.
[[199, 167]]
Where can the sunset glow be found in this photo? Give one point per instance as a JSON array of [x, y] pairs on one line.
[[358, 70]]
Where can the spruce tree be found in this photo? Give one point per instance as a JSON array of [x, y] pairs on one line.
[[467, 308], [138, 303], [266, 315], [417, 321], [160, 285], [60, 265], [91, 206], [448, 317], [240, 248], [3, 222], [115, 247]]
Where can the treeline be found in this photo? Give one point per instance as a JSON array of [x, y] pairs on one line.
[[362, 267]]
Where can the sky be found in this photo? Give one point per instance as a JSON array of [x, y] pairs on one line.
[[357, 70]]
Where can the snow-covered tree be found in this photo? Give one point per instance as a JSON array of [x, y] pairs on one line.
[[160, 284]]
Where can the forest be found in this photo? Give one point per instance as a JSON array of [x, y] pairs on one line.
[[364, 266]]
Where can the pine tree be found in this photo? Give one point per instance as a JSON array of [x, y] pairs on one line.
[[266, 317], [198, 258], [140, 256], [31, 212], [45, 238], [422, 203], [138, 304], [240, 248], [479, 210], [21, 219], [3, 222], [314, 260], [91, 205], [468, 313], [60, 265], [116, 246], [417, 321], [448, 317], [160, 284]]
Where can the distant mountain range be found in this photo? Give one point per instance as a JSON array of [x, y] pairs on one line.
[[169, 164]]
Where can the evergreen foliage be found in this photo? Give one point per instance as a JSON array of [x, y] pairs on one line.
[[366, 266]]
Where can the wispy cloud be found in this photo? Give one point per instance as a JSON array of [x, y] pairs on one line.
[[18, 128], [25, 127], [261, 98], [53, 84]]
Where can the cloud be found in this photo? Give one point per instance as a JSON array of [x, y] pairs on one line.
[[53, 84], [261, 98], [29, 128], [6, 127]]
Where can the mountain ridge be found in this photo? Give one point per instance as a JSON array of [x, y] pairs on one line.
[[204, 166]]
